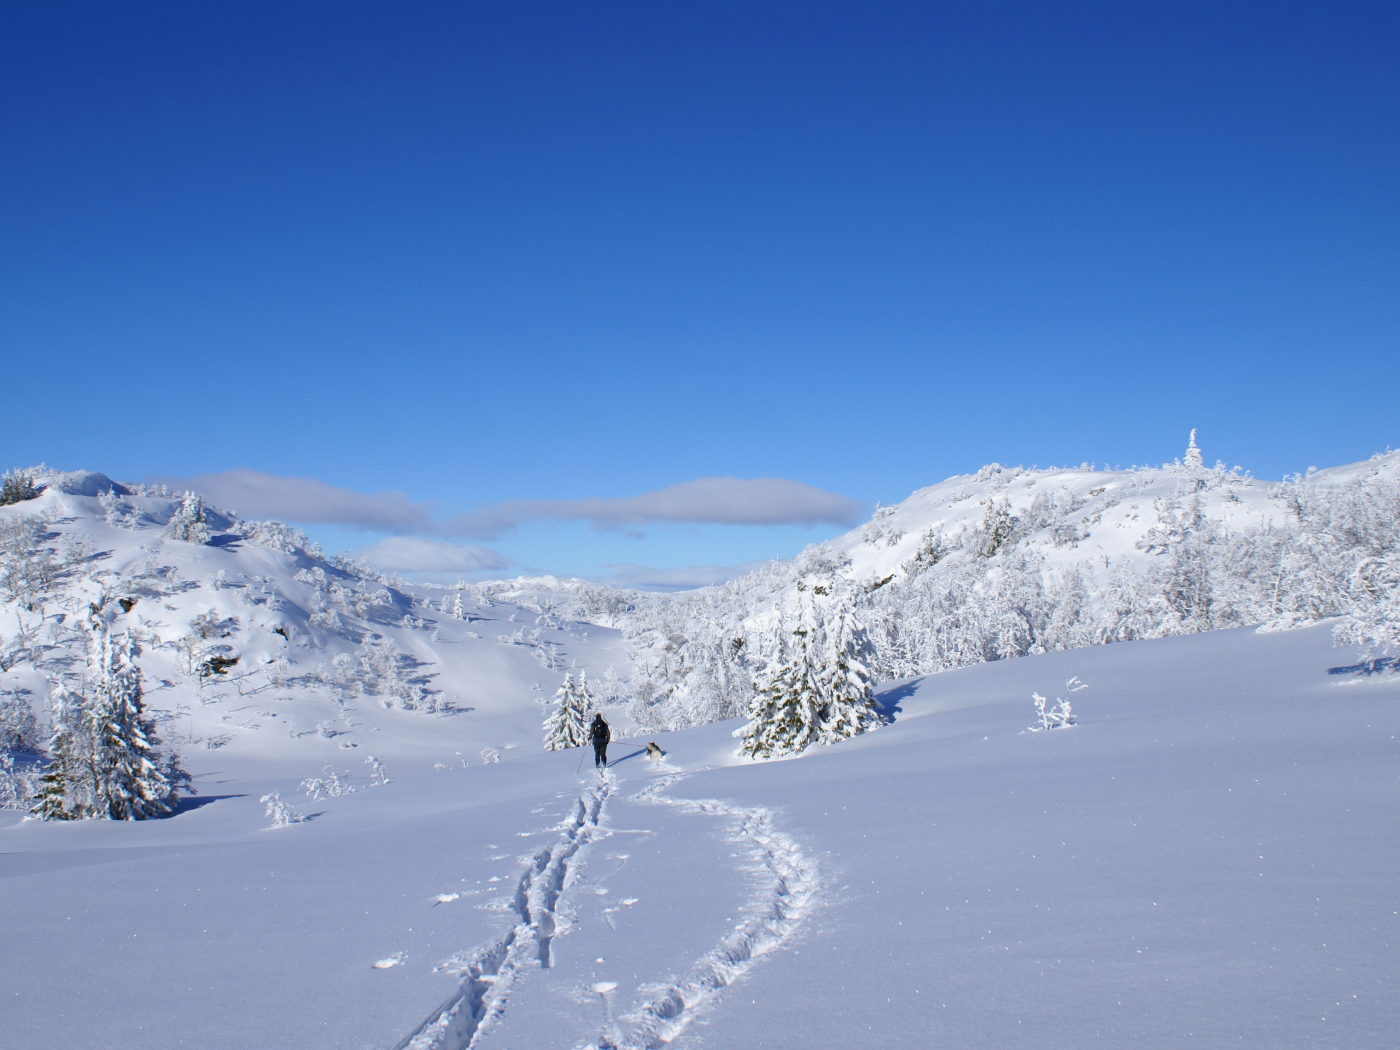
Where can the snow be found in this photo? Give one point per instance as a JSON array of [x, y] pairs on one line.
[[1206, 857]]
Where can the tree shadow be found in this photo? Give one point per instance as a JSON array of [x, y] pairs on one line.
[[1367, 668], [188, 803], [890, 698]]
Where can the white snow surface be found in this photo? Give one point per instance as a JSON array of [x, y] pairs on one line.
[[1206, 858]]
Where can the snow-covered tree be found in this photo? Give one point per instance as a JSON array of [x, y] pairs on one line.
[[1373, 624], [65, 791], [458, 613], [818, 690], [111, 507], [19, 730], [105, 759], [1193, 454], [16, 487], [783, 713], [849, 706], [189, 522], [567, 726]]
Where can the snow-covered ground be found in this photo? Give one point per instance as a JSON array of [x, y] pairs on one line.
[[1207, 858]]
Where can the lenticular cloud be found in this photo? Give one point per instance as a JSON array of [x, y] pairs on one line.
[[704, 501]]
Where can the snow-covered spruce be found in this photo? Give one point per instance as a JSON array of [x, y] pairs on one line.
[[567, 726], [189, 522], [818, 691], [105, 759]]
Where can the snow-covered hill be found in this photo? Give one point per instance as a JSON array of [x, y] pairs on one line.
[[255, 645], [1010, 562]]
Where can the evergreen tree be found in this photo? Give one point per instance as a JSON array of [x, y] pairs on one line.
[[189, 520], [784, 712], [60, 795], [130, 779], [820, 693], [458, 613], [105, 760], [850, 706], [566, 726], [1193, 454]]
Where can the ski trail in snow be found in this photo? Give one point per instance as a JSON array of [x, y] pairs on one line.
[[774, 915], [489, 972]]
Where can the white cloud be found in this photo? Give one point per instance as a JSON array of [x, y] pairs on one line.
[[704, 501], [688, 577], [307, 501], [414, 554]]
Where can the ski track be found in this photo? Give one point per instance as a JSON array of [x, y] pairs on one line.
[[788, 896], [488, 973]]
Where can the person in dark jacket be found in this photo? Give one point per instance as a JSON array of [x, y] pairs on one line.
[[600, 734]]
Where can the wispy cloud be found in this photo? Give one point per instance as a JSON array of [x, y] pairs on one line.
[[688, 577], [415, 554], [704, 501]]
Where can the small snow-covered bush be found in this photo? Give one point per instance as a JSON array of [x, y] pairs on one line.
[[377, 776], [278, 537], [1062, 714], [329, 784], [490, 756], [281, 813]]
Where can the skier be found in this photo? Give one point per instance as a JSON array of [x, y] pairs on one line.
[[600, 734]]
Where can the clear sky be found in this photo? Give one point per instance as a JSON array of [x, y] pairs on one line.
[[552, 257]]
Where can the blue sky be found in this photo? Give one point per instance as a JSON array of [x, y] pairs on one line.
[[487, 254]]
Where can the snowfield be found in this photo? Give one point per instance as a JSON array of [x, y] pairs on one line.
[[1207, 857]]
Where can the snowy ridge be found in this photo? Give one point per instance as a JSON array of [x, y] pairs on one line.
[[775, 914], [253, 642], [1011, 562], [489, 973]]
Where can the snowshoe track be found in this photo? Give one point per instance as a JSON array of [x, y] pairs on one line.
[[774, 915], [489, 972]]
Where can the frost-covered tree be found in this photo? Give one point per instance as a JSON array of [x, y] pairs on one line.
[[16, 487], [189, 522], [458, 613], [849, 707], [1193, 454], [111, 506], [105, 759], [567, 726], [19, 730], [998, 526], [1373, 624], [818, 690], [65, 791], [783, 714]]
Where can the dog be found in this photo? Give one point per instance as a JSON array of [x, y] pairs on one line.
[[653, 751]]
